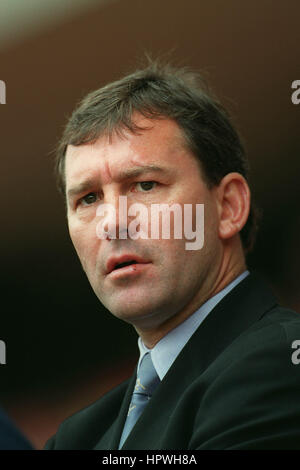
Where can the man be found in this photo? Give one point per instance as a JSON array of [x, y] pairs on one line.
[[215, 368]]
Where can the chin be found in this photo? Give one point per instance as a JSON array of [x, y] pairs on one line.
[[132, 316], [144, 317], [128, 310]]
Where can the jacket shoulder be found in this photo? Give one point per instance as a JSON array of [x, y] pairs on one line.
[[252, 389], [83, 429]]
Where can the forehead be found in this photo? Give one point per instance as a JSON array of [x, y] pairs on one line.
[[160, 143]]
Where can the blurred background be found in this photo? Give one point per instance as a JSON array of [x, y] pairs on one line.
[[64, 350]]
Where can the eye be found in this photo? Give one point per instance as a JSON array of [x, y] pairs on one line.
[[88, 199], [146, 185]]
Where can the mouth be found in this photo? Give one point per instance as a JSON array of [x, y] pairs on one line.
[[123, 261]]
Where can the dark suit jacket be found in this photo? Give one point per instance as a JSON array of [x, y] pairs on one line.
[[233, 386], [10, 436]]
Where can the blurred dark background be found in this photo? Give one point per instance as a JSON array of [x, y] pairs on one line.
[[63, 349]]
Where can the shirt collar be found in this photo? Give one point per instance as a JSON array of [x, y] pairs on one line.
[[167, 349]]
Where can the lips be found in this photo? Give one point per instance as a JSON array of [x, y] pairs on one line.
[[119, 262]]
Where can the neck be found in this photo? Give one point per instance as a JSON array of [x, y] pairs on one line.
[[233, 264]]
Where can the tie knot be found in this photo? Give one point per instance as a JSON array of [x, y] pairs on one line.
[[147, 378]]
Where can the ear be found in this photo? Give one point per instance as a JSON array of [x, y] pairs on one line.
[[233, 204]]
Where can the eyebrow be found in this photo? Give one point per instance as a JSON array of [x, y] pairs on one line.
[[122, 175]]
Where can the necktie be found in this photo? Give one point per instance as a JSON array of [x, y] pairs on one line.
[[146, 382]]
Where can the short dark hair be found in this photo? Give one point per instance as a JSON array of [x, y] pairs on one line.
[[156, 91]]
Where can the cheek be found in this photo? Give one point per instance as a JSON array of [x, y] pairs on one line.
[[173, 254], [85, 243], [184, 266]]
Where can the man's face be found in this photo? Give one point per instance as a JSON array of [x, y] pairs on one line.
[[153, 167]]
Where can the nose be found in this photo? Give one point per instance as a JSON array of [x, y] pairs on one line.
[[113, 219]]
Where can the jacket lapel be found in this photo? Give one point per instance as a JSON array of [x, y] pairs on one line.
[[242, 307], [111, 438]]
